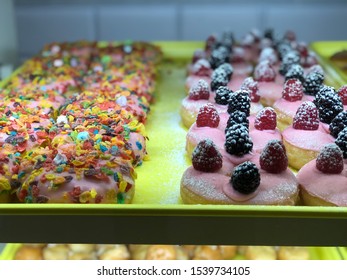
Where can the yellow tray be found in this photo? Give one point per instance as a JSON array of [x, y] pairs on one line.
[[325, 49], [316, 253], [343, 252], [157, 215]]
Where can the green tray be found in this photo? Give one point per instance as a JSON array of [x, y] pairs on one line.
[[157, 215], [325, 49], [316, 253]]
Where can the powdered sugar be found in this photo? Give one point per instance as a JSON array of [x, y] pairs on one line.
[[268, 54], [264, 72], [306, 117], [201, 68], [200, 90], [293, 90]]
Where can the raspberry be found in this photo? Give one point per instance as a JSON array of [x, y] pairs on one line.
[[237, 117], [330, 159], [309, 60], [313, 83], [252, 86], [223, 95], [237, 140], [245, 178], [338, 124], [237, 55], [341, 141], [306, 117], [273, 158], [290, 35], [228, 69], [201, 68], [302, 49], [293, 90], [290, 58], [206, 157], [264, 72], [207, 116], [219, 56], [266, 119], [295, 71], [210, 43], [200, 90], [239, 101], [342, 92], [219, 78], [316, 68], [329, 104], [198, 54]]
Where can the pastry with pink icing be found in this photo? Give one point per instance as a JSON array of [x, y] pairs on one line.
[[252, 86], [266, 181], [304, 139], [286, 107], [263, 129], [323, 181], [269, 90]]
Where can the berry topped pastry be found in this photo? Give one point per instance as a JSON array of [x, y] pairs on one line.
[[323, 181], [305, 138], [267, 181]]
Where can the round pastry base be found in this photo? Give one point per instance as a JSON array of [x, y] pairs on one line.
[[311, 200], [298, 157]]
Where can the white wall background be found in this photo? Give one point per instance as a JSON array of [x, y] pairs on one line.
[[8, 38], [40, 21]]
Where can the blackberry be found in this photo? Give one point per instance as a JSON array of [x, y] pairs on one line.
[[219, 56], [283, 48], [269, 33], [238, 141], [338, 124], [229, 70], [240, 101], [245, 178], [313, 83], [341, 141], [219, 78], [295, 71], [288, 60], [223, 95], [329, 104], [237, 117]]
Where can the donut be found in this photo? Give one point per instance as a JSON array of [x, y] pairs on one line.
[[113, 252], [260, 253], [305, 138], [28, 252], [269, 90], [268, 182], [293, 253], [55, 252], [315, 178]]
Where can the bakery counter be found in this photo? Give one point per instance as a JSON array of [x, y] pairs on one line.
[[157, 214]]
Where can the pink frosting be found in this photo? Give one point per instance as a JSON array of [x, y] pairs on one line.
[[234, 84], [307, 139], [242, 69], [328, 187], [270, 91], [274, 189], [261, 137], [287, 107], [308, 98]]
